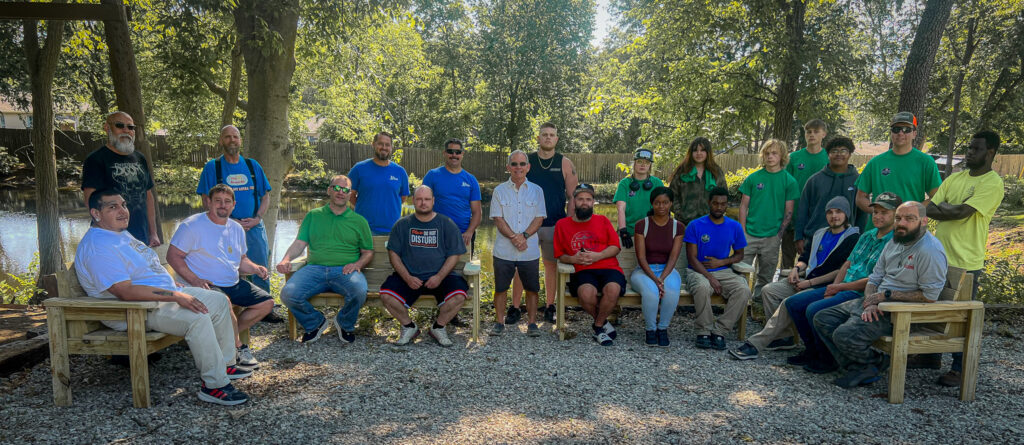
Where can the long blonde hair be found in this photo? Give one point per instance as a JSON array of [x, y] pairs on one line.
[[775, 144]]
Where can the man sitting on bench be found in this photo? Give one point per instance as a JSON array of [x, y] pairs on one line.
[[590, 243], [714, 243], [912, 268], [208, 251], [111, 264], [340, 246], [424, 248]]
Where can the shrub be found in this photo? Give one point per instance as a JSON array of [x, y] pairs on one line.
[[1003, 281], [735, 179], [1013, 199], [8, 162], [20, 288], [176, 180]]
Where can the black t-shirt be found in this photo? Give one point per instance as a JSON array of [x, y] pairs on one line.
[[129, 175]]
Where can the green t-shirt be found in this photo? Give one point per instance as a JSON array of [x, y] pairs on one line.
[[910, 175], [638, 202], [335, 240], [768, 194], [802, 164], [965, 239]]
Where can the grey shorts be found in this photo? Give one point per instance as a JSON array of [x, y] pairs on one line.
[[547, 242], [504, 271]]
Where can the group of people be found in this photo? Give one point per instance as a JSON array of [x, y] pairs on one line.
[[829, 296]]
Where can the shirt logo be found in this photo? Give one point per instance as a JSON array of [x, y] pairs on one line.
[[800, 166], [236, 180], [464, 184], [760, 186], [705, 238], [423, 238], [850, 189], [886, 171], [584, 241], [393, 178]]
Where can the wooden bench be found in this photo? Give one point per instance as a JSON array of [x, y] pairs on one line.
[[378, 270], [73, 320], [632, 299], [954, 323]]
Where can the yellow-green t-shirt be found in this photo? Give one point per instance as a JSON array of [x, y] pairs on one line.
[[965, 239], [768, 194]]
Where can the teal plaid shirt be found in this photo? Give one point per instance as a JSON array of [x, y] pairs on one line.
[[865, 254]]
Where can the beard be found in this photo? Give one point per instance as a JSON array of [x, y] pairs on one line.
[[381, 156], [909, 237], [584, 213], [222, 213], [232, 149], [124, 144]]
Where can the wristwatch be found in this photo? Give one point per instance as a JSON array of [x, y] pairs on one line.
[[888, 293], [525, 235]]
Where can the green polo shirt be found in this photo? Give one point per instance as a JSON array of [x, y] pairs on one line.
[[910, 175], [768, 194], [335, 240]]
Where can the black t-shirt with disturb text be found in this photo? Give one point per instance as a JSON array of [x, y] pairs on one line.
[[425, 246]]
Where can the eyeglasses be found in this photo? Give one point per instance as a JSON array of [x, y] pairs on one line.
[[339, 188], [839, 151], [518, 164], [123, 125], [452, 151], [897, 129]]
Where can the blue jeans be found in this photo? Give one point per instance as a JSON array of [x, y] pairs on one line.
[[257, 251], [648, 290], [803, 306], [313, 279]]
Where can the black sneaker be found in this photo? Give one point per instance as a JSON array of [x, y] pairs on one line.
[[549, 313], [457, 323], [663, 338], [237, 372], [718, 342], [746, 351], [815, 366], [924, 361], [272, 318], [226, 395], [513, 315], [800, 359], [858, 377], [703, 342], [651, 338], [346, 336], [315, 334], [781, 344]]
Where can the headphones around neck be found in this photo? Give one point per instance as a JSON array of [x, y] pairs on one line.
[[647, 184]]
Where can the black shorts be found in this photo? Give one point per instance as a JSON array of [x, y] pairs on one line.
[[451, 286], [597, 278], [245, 294], [504, 271]]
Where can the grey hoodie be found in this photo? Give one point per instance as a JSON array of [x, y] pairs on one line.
[[821, 187]]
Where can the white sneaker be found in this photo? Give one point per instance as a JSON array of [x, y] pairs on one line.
[[441, 335], [244, 358], [610, 330], [407, 335], [603, 339]]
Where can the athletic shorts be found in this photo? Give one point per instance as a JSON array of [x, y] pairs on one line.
[[245, 294], [504, 271], [546, 235], [597, 278], [451, 286]]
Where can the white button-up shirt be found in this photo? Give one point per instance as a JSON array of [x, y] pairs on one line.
[[518, 208]]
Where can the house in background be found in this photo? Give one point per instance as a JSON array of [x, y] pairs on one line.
[[11, 116]]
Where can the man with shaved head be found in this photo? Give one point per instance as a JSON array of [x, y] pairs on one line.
[[911, 268], [251, 188], [118, 166]]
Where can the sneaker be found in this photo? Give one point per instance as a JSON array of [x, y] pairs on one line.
[[718, 342], [532, 330], [950, 379], [857, 377], [815, 366], [226, 395], [345, 336], [315, 334], [603, 339], [703, 342], [407, 335], [651, 338], [746, 351], [237, 372], [663, 338], [800, 359], [610, 330], [244, 358], [496, 330], [781, 344], [441, 335], [924, 361], [549, 313], [272, 318], [513, 315]]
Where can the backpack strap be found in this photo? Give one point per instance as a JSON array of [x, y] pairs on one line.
[[220, 176], [255, 194], [647, 225], [675, 226]]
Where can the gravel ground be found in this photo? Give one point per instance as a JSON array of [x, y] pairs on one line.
[[514, 389]]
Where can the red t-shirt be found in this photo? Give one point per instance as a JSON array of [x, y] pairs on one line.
[[595, 235]]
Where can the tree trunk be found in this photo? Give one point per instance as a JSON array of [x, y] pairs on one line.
[[914, 85], [128, 88], [227, 116], [266, 33], [786, 97], [42, 63], [965, 61]]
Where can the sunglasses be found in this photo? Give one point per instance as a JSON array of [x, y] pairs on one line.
[[901, 129], [453, 151], [123, 125], [518, 164], [339, 188]]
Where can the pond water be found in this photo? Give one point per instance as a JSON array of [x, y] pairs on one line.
[[18, 240]]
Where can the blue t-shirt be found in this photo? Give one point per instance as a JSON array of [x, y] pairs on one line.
[[715, 240], [453, 194], [828, 242], [237, 177], [380, 191]]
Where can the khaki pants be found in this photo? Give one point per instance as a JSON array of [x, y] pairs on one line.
[[779, 322], [210, 336], [735, 290], [766, 250]]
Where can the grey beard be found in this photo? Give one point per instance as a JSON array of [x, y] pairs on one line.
[[231, 150], [125, 148]]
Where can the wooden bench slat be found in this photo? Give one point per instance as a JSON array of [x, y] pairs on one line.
[[112, 335]]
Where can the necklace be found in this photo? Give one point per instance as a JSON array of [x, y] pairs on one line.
[[541, 161]]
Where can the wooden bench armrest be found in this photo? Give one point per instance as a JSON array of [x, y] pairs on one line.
[[742, 267], [565, 268], [471, 268], [96, 303], [893, 306], [297, 264]]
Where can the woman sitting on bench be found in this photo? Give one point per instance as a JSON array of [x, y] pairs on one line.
[[658, 239]]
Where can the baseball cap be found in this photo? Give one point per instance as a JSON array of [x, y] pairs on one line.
[[888, 200], [905, 117], [583, 188], [643, 153]]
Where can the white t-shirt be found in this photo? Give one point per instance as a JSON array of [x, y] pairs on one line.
[[105, 258], [518, 208], [212, 251]]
